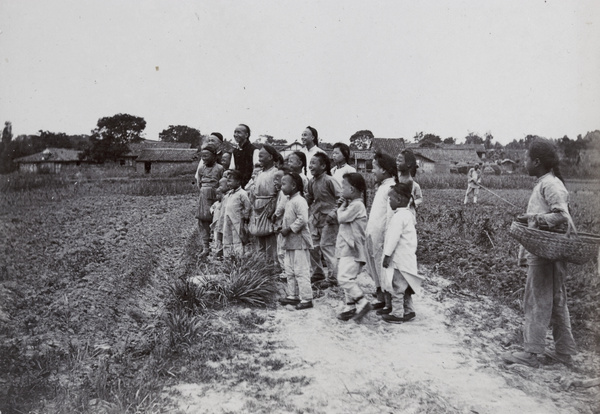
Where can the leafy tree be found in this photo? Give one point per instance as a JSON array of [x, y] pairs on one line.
[[449, 140], [111, 136], [269, 139], [488, 141], [181, 133], [361, 140], [429, 140], [124, 128], [473, 138], [7, 133]]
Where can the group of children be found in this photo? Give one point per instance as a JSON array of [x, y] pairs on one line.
[[323, 218], [326, 217]]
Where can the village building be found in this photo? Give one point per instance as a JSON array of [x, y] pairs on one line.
[[50, 161], [167, 161]]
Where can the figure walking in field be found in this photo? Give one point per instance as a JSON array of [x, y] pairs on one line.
[[296, 243], [473, 182], [545, 298], [208, 180], [350, 245], [400, 255]]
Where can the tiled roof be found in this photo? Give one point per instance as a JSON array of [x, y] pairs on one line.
[[51, 155], [168, 155]]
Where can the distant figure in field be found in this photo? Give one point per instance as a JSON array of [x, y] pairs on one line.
[[473, 182]]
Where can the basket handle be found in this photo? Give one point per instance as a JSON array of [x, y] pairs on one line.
[[571, 227]]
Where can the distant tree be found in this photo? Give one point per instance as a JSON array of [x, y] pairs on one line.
[[7, 133], [325, 146], [181, 133], [449, 140], [429, 140], [269, 139], [124, 128], [488, 141], [112, 135], [361, 140], [473, 138], [498, 146]]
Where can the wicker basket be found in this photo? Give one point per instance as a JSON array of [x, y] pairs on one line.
[[572, 247]]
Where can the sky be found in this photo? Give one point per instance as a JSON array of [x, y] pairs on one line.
[[507, 67]]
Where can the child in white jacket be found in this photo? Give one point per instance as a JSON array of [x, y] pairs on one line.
[[400, 254]]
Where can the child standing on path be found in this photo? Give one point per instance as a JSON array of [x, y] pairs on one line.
[[400, 254], [236, 213], [322, 197], [217, 224], [407, 169], [545, 298], [350, 245], [384, 168], [209, 175], [296, 243]]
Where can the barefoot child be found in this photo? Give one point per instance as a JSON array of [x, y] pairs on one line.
[[236, 212], [400, 253], [350, 245], [296, 243], [209, 175], [384, 168], [322, 197], [545, 298]]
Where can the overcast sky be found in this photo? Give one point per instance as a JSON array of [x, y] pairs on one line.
[[510, 67]]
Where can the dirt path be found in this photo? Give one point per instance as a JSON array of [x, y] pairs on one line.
[[376, 367]]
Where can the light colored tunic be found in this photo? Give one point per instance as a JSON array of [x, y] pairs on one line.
[[263, 192], [376, 228], [338, 173], [296, 218], [401, 245], [236, 212], [351, 235]]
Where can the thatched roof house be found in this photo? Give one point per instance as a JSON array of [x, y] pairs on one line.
[[167, 160], [440, 160], [51, 160]]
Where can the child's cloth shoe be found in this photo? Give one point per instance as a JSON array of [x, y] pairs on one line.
[[523, 358], [304, 305], [378, 305], [289, 301], [553, 356], [409, 316], [384, 311], [362, 308], [346, 315], [392, 319]]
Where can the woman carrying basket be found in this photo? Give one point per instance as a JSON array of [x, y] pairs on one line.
[[545, 299]]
